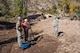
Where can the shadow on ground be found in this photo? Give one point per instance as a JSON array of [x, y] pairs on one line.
[[60, 33], [11, 40], [6, 25], [33, 18], [35, 37]]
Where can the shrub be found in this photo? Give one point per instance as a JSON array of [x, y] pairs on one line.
[[52, 11]]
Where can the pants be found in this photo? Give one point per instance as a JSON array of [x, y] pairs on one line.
[[25, 33], [56, 30], [19, 37]]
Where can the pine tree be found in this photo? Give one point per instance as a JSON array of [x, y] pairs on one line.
[[4, 7], [18, 7]]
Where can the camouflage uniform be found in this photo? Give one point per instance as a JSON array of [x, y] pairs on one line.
[[19, 31], [56, 26]]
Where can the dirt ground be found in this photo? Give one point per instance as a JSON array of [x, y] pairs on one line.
[[45, 40]]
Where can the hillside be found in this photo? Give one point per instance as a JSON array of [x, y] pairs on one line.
[[46, 41], [33, 6]]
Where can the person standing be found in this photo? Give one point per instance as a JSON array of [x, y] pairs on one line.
[[19, 30], [56, 21], [25, 27]]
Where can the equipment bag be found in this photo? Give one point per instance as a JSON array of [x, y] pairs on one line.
[[25, 45]]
